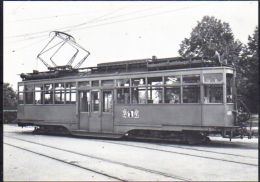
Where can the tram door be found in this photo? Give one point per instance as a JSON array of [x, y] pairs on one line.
[[107, 111], [84, 109], [96, 110], [94, 114]]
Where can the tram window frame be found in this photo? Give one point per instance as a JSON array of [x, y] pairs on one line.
[[95, 83], [107, 103], [59, 93], [107, 83], [95, 102], [38, 93], [167, 100], [70, 93], [83, 84], [135, 80], [20, 94], [185, 87], [155, 81], [151, 96], [184, 77], [48, 92], [20, 98], [20, 88], [210, 93], [229, 88], [135, 99], [213, 78], [177, 82], [124, 97], [29, 94], [84, 103], [123, 82]]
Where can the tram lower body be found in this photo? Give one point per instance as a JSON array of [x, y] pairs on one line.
[[173, 122]]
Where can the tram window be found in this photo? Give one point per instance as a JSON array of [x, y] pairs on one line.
[[172, 80], [107, 82], [229, 80], [59, 93], [28, 88], [95, 83], [191, 94], [48, 86], [38, 94], [20, 88], [70, 93], [213, 78], [28, 94], [59, 86], [154, 81], [154, 95], [48, 98], [138, 95], [107, 101], [38, 87], [48, 94], [28, 97], [191, 79], [84, 101], [123, 83], [123, 96], [38, 97], [138, 81], [70, 96], [59, 97], [20, 98], [84, 84], [213, 94], [71, 85], [95, 100], [172, 95]]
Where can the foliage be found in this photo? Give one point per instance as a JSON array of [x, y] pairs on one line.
[[213, 39], [248, 72], [9, 97], [211, 35]]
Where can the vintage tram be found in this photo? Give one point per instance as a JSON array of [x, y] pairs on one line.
[[165, 98]]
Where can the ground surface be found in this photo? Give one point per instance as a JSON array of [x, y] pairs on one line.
[[40, 157]]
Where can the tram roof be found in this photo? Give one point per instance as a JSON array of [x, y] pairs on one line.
[[129, 66]]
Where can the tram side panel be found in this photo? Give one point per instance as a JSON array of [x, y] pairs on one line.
[[173, 117], [63, 115], [218, 115], [164, 117]]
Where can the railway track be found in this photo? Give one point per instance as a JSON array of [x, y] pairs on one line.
[[208, 151], [151, 171], [193, 155], [66, 162], [180, 147], [202, 150]]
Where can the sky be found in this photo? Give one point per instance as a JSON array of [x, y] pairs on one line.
[[112, 31]]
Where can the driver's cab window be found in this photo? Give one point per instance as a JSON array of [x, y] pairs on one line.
[[213, 87]]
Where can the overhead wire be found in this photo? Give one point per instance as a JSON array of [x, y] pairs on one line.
[[28, 45], [97, 19], [118, 16], [44, 17], [45, 31], [129, 19]]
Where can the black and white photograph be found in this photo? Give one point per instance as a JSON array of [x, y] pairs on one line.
[[130, 91]]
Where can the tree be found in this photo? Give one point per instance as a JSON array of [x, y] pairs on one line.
[[211, 37], [9, 97], [248, 72]]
